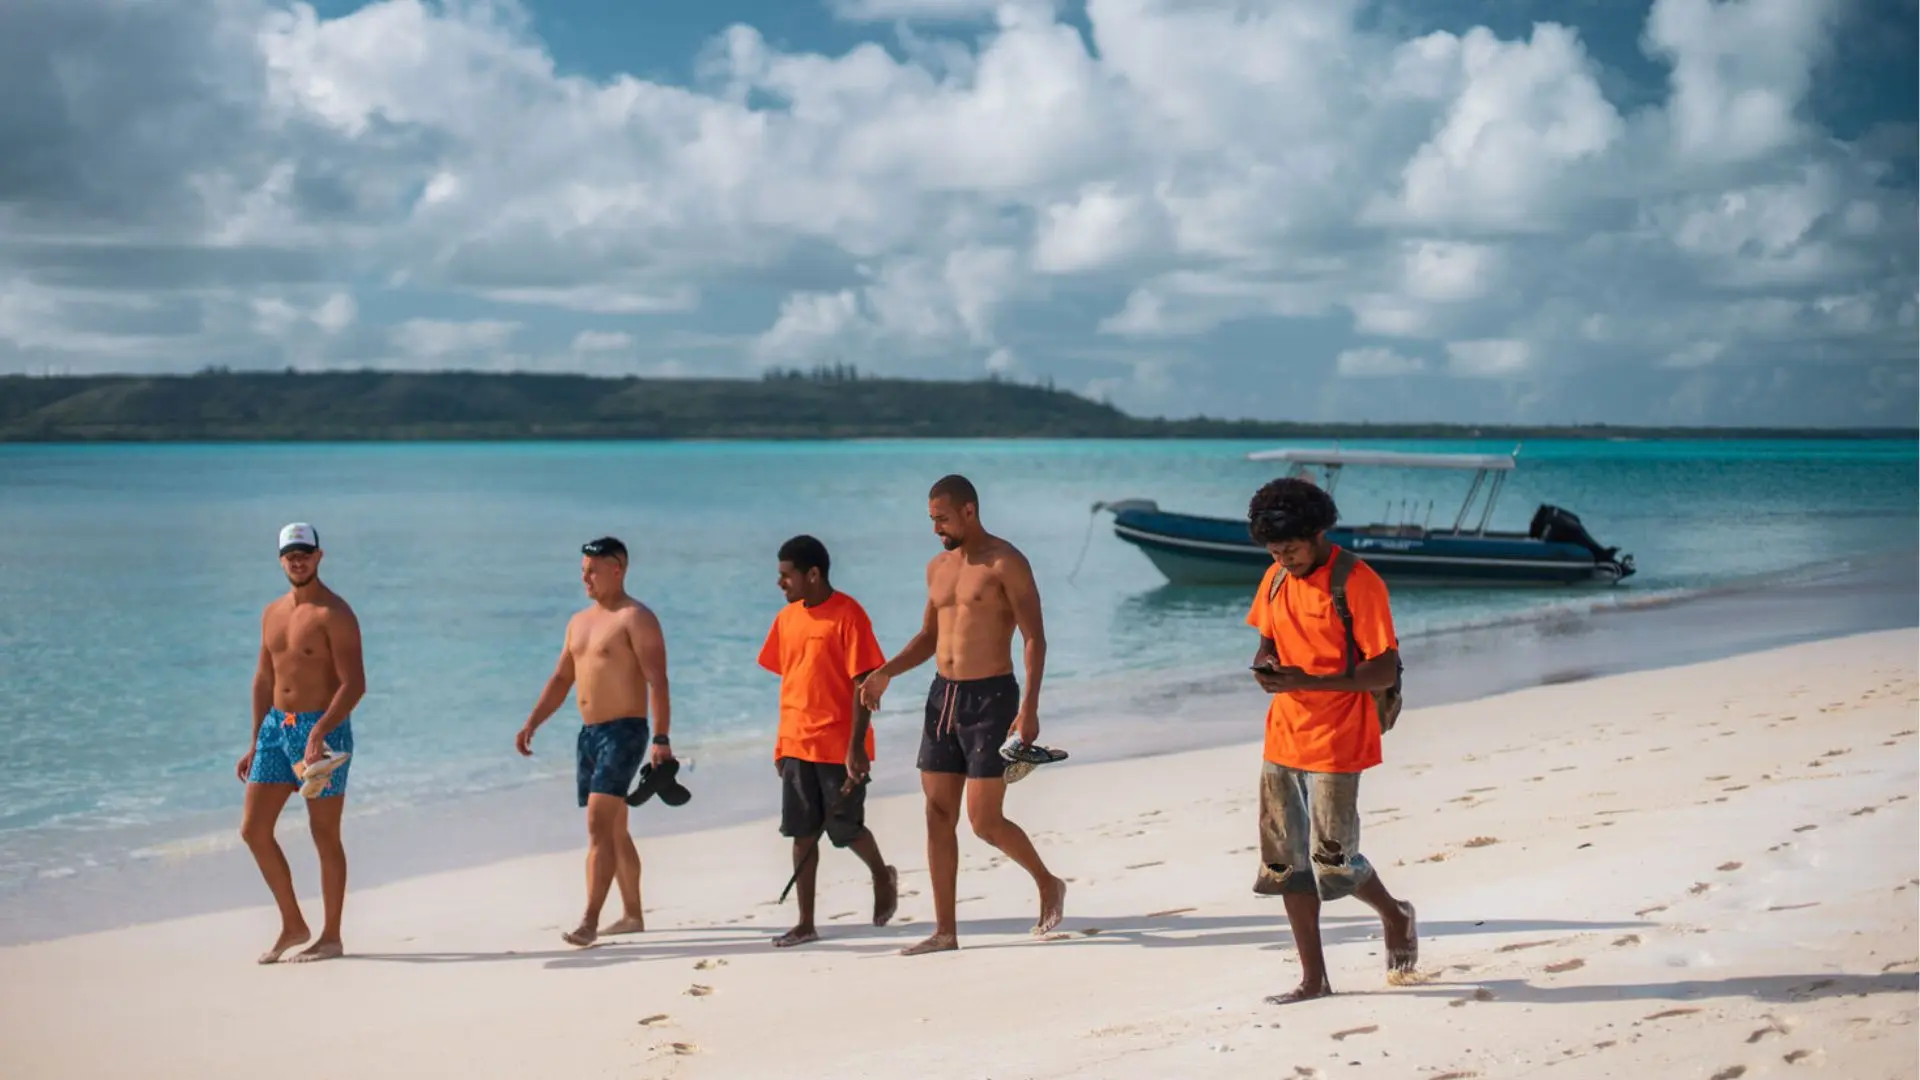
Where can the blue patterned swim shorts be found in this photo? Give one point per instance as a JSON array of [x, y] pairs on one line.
[[283, 741]]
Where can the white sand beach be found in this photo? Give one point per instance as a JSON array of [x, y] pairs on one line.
[[1706, 871]]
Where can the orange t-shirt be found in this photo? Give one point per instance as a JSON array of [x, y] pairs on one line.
[[818, 652], [1323, 730]]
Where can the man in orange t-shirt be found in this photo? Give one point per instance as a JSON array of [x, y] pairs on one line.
[[1323, 728], [821, 645]]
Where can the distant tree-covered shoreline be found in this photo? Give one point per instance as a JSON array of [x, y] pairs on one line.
[[836, 402]]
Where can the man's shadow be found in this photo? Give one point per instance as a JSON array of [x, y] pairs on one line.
[[1778, 989], [1159, 930]]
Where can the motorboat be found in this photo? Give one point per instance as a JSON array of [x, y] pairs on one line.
[[1556, 549]]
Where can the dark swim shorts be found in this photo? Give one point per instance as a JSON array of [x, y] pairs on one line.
[[811, 802], [967, 720], [610, 754]]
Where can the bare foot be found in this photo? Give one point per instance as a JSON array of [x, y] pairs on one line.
[[582, 936], [799, 935], [936, 943], [1053, 906], [627, 924], [289, 938], [1303, 992], [1403, 941], [886, 897], [320, 950]]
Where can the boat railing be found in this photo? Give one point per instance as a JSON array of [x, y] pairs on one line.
[[1489, 474]]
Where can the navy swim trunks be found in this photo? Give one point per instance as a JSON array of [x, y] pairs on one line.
[[609, 755]]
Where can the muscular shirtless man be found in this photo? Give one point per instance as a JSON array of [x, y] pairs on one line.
[[979, 590], [305, 686], [615, 651]]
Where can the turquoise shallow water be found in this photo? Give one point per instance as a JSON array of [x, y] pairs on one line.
[[131, 580]]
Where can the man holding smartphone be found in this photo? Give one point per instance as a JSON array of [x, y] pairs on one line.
[[1323, 726]]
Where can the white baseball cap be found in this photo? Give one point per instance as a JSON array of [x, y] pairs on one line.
[[299, 536]]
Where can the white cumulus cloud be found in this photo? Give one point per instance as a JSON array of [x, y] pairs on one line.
[[1160, 200]]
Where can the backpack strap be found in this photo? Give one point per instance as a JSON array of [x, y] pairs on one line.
[[1343, 563]]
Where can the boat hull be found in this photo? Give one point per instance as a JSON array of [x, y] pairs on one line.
[[1192, 550]]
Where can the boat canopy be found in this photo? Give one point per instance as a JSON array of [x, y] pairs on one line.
[[1495, 462]]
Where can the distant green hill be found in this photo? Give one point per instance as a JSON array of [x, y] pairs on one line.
[[828, 404]]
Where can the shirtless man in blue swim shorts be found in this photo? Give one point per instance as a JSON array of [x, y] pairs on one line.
[[307, 682], [614, 651]]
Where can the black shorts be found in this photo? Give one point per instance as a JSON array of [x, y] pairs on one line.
[[607, 755], [967, 720], [811, 802]]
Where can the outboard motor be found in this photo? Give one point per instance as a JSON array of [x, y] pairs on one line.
[[1554, 525]]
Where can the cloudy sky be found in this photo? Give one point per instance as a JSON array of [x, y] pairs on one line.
[[1684, 211]]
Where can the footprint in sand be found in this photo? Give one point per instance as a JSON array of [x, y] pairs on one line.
[[1774, 1027], [697, 990], [1731, 1072], [1144, 865], [1519, 945], [705, 965], [1698, 888], [656, 1018], [1342, 1036], [1481, 841], [1565, 966], [1668, 1013], [1727, 867], [1464, 1074], [684, 1049], [1439, 856], [1479, 994], [1622, 942], [1863, 811], [1794, 907], [1795, 1057], [1717, 779], [1806, 828]]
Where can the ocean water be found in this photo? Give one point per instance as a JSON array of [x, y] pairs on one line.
[[132, 578]]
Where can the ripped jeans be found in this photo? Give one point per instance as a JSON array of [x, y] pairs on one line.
[[1310, 833]]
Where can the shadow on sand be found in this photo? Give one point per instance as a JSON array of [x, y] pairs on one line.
[[1777, 989], [1158, 931]]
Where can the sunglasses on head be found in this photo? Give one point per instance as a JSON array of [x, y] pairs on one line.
[[604, 548]]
